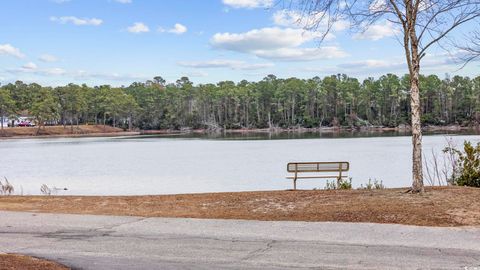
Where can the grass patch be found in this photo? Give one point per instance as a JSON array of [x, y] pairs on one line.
[[15, 261]]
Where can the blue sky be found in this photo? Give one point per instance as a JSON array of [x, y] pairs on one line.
[[54, 42]]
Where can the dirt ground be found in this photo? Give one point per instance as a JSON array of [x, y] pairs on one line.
[[441, 206], [67, 131], [16, 262]]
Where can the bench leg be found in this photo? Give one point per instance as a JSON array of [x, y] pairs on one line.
[[294, 183]]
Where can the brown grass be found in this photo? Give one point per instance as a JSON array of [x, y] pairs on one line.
[[81, 130], [15, 262], [444, 206]]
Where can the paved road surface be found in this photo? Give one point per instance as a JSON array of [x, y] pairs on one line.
[[104, 242]]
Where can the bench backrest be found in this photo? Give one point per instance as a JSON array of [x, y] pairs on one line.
[[341, 166]]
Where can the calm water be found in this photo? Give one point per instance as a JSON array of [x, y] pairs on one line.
[[179, 164]]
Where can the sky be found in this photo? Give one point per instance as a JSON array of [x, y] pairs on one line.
[[117, 42]]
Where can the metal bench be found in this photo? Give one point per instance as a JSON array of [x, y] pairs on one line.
[[317, 170]]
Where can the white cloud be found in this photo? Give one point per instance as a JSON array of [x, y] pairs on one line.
[[196, 74], [138, 27], [261, 39], [178, 29], [369, 67], [56, 73], [443, 62], [33, 69], [76, 21], [8, 49], [319, 21], [248, 3], [276, 43], [30, 66], [373, 64], [302, 54], [124, 1], [322, 70], [60, 1], [48, 58], [378, 31], [113, 76], [53, 71], [233, 64]]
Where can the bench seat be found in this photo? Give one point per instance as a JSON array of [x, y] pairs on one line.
[[308, 170]]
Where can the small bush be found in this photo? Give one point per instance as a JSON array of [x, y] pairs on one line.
[[6, 188], [467, 169], [45, 190], [373, 185], [342, 184]]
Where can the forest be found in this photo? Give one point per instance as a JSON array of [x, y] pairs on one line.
[[332, 101]]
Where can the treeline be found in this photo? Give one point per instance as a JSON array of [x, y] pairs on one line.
[[337, 100]]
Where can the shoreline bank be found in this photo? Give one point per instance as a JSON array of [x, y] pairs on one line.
[[108, 131]]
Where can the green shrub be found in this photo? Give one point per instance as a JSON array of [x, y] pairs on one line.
[[466, 171], [342, 184]]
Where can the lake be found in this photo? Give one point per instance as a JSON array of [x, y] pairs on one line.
[[195, 163]]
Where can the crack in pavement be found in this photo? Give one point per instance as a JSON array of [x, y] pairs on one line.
[[111, 227], [98, 232], [259, 251]]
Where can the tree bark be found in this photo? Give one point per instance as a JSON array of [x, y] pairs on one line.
[[130, 122], [417, 185], [417, 171]]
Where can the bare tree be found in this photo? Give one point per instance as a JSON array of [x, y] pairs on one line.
[[422, 24], [472, 48]]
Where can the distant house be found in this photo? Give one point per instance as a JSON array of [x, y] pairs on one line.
[[18, 121]]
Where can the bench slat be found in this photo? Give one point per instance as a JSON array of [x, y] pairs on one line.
[[320, 176], [318, 166]]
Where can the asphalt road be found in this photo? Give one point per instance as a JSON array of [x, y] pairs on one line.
[[107, 242]]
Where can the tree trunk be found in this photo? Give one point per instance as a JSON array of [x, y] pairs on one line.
[[247, 121], [293, 110], [413, 60], [269, 121], [130, 122], [39, 127], [417, 185], [3, 119]]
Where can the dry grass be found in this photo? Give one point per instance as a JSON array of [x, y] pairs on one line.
[[14, 261], [59, 131], [442, 206]]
